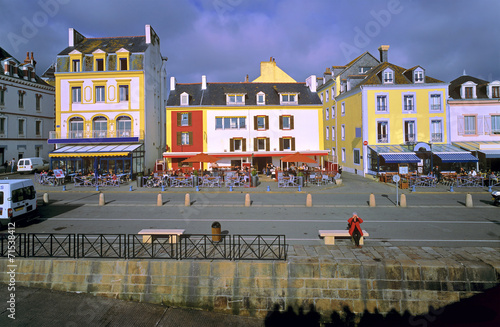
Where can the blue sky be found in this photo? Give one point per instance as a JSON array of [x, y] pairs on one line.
[[227, 39]]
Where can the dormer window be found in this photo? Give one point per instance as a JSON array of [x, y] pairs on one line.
[[289, 98], [468, 90], [235, 99], [184, 99], [388, 77], [10, 68], [418, 75], [99, 60], [76, 65], [494, 90], [261, 98]]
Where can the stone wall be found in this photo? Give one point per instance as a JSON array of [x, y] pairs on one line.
[[254, 287]]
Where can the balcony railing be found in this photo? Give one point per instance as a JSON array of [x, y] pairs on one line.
[[53, 135], [410, 138], [382, 138], [436, 137]]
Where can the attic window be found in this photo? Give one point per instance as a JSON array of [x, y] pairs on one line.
[[235, 99], [261, 98], [419, 76], [388, 77], [184, 99], [468, 90], [288, 98]]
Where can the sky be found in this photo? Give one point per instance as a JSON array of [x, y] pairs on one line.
[[227, 39]]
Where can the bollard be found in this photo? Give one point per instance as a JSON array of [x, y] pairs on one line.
[[413, 188], [372, 200], [216, 231], [187, 200], [268, 188], [402, 203], [45, 198], [163, 188], [197, 188], [300, 189], [468, 201], [159, 200], [451, 188], [101, 199], [64, 187], [247, 200], [489, 188], [230, 188], [130, 188], [309, 201], [97, 188]]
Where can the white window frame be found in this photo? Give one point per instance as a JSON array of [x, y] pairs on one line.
[[333, 133], [263, 95], [494, 84], [285, 98], [264, 143], [333, 112], [418, 75], [342, 109], [405, 132], [413, 97], [235, 99], [381, 141], [469, 131], [240, 148], [184, 138], [184, 99], [342, 132], [432, 133], [382, 96], [327, 113], [343, 155], [184, 119], [289, 140], [495, 127], [288, 119], [388, 76], [432, 106], [100, 93], [76, 94], [327, 133], [464, 86], [124, 96]]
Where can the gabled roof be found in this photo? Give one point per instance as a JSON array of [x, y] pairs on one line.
[[109, 45], [455, 85], [374, 76], [4, 55], [215, 94]]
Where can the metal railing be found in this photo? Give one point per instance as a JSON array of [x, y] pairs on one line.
[[133, 246]]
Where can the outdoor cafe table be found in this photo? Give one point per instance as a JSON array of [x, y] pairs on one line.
[[422, 181], [181, 181], [470, 181]]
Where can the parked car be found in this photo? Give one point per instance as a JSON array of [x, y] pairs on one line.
[[32, 165]]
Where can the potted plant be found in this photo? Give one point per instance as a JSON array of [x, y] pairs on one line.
[[139, 179], [195, 177], [255, 177], [300, 178]]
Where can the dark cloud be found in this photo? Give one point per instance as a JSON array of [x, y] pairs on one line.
[[227, 39]]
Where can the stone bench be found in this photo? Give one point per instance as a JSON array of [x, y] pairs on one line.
[[149, 235], [330, 235]]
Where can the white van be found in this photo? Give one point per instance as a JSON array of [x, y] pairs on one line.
[[17, 200], [32, 165]]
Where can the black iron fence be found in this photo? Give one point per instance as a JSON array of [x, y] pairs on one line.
[[133, 246]]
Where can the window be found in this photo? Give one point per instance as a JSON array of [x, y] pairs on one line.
[[388, 77], [333, 112], [123, 64], [410, 135], [495, 92], [408, 103], [287, 144], [230, 123], [38, 127], [363, 70], [21, 127], [38, 151], [333, 93], [342, 109], [468, 92], [76, 128], [436, 130], [333, 133], [235, 99], [76, 94], [419, 76], [333, 152], [218, 123], [342, 132], [382, 132], [286, 122], [100, 127], [436, 102], [124, 126], [322, 99], [261, 144], [343, 154], [2, 96], [327, 113], [76, 65], [261, 98], [123, 92], [99, 65], [327, 133], [185, 139], [289, 98], [495, 124], [261, 122], [184, 119], [99, 94], [184, 99], [38, 100], [21, 99], [2, 125], [357, 157], [237, 144], [470, 125], [327, 97], [381, 103]]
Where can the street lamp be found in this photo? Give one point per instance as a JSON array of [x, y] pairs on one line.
[[432, 163]]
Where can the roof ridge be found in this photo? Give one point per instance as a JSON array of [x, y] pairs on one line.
[[113, 37]]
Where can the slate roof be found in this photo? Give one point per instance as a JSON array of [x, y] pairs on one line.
[[4, 55], [455, 85], [374, 76], [215, 94], [109, 45]]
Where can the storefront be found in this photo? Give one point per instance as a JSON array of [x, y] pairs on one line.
[[487, 152], [107, 158]]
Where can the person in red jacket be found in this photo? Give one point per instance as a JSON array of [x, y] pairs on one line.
[[355, 228]]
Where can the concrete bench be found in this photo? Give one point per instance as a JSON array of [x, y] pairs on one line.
[[149, 235], [330, 235]]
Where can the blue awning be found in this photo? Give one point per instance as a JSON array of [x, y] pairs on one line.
[[491, 154], [400, 157], [456, 157]]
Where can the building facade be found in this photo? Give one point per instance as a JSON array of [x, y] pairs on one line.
[[109, 103], [244, 124], [26, 109], [474, 109]]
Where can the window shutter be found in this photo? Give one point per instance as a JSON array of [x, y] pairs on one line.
[[267, 123], [189, 119], [281, 122], [255, 148], [291, 122], [179, 116], [179, 135], [293, 143], [231, 145], [255, 122], [190, 138], [268, 145], [460, 125], [244, 145], [281, 144], [487, 125], [480, 126]]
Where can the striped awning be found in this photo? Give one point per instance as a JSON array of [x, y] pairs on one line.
[[493, 154], [405, 157], [456, 157], [106, 150]]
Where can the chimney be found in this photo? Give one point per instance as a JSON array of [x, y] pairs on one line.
[[33, 62], [204, 82], [384, 50], [246, 79], [172, 83], [312, 83], [27, 60]]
